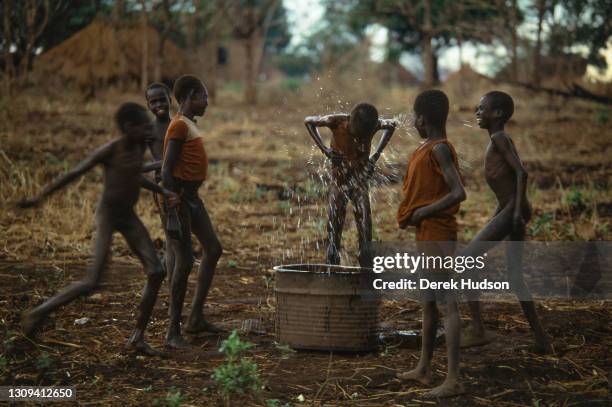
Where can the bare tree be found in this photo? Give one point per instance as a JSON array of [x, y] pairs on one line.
[[34, 25], [9, 66], [251, 20], [144, 71], [167, 24], [537, 51]]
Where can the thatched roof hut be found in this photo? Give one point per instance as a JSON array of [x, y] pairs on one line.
[[103, 53]]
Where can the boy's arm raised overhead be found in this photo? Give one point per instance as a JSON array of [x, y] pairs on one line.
[[84, 166], [388, 127], [503, 144], [312, 122], [443, 156]]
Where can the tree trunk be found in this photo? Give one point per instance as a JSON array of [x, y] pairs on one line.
[[250, 88], [426, 30], [541, 6], [144, 74], [514, 41], [9, 67], [118, 11]]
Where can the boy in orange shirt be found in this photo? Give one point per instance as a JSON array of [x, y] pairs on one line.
[[433, 190], [184, 170]]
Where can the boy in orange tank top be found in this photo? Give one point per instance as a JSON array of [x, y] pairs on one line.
[[184, 169], [432, 192], [351, 170]]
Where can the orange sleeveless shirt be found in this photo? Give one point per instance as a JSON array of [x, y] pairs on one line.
[[192, 163], [424, 184]]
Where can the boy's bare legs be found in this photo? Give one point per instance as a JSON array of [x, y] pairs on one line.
[[139, 241], [494, 231], [335, 221], [451, 385], [104, 233], [183, 261], [363, 218], [422, 372], [211, 252], [514, 257]]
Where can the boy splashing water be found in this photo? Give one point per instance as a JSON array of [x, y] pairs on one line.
[[122, 160], [351, 170]]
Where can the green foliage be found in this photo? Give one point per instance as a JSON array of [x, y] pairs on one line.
[[292, 84], [574, 197], [542, 224], [44, 361], [174, 398], [238, 375], [603, 116], [284, 205], [276, 403], [3, 365]]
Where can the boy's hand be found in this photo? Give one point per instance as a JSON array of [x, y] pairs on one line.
[[172, 199], [28, 203], [417, 216]]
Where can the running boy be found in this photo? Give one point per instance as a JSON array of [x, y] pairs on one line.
[[432, 191], [507, 178], [351, 169], [184, 170], [122, 160]]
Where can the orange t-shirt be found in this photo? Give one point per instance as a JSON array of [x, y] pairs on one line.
[[424, 184], [354, 148], [192, 163]]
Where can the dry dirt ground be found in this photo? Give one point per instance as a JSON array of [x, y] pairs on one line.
[[266, 196]]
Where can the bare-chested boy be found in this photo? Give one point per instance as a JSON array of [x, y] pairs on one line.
[[432, 192], [351, 169], [122, 160], [507, 178], [184, 170], [158, 102]]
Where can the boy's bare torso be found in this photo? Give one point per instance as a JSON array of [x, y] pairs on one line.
[[355, 149], [500, 176], [122, 174]]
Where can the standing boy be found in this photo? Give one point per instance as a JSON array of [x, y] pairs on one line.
[[432, 192], [184, 170], [158, 102], [351, 169], [122, 160], [507, 178]]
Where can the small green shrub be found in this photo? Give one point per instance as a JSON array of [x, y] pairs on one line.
[[238, 375]]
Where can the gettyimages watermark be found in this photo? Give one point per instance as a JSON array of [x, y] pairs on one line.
[[562, 270]]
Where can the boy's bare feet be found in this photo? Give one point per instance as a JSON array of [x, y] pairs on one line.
[[201, 325], [177, 342], [143, 348], [419, 374], [449, 388], [470, 337]]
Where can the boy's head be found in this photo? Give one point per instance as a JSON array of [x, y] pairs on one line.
[[133, 121], [363, 119], [430, 109], [494, 107], [158, 100], [191, 94]]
